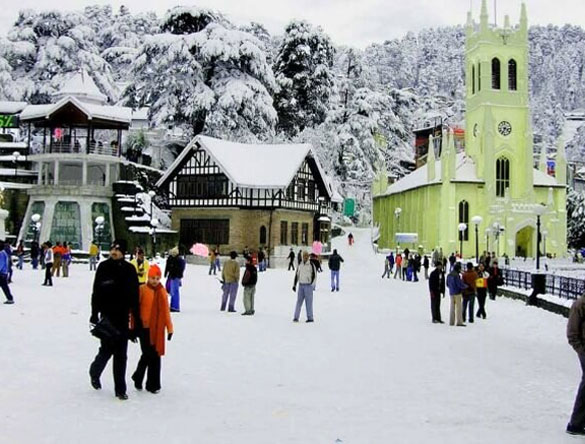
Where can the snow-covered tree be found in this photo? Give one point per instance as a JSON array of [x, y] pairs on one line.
[[575, 219], [205, 74], [44, 49], [303, 73]]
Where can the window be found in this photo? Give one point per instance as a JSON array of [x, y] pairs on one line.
[[301, 190], [210, 186], [283, 232], [512, 76], [464, 218], [502, 176], [290, 191], [294, 233], [312, 191], [473, 79], [305, 234], [495, 73], [262, 235], [206, 231], [479, 76]]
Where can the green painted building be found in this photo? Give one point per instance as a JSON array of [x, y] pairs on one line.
[[494, 177]]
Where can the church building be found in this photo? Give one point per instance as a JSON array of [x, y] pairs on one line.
[[492, 186]]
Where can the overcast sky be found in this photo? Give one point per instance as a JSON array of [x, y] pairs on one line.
[[351, 22]]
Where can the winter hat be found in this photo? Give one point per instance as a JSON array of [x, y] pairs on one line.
[[154, 270], [121, 245]]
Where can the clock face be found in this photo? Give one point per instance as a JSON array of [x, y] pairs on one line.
[[475, 129], [504, 128]]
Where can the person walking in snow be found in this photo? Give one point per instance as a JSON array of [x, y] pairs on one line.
[[437, 290], [93, 256], [306, 279], [66, 259], [48, 258], [174, 269], [495, 280], [141, 265], [262, 260], [334, 264], [212, 264], [4, 260], [391, 263], [452, 260], [155, 316], [230, 278], [576, 338], [217, 258], [456, 287], [115, 296], [399, 261], [426, 265], [57, 256], [34, 254], [291, 260], [249, 281], [20, 255], [350, 239], [300, 257], [386, 267], [470, 279], [481, 289]]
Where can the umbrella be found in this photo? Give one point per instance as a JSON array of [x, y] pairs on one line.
[[317, 247], [200, 250]]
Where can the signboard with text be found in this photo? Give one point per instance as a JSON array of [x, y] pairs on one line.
[[9, 121]]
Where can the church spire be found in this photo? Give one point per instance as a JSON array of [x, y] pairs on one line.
[[431, 172], [523, 19], [542, 162], [483, 18]]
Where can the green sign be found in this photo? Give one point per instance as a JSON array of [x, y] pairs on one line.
[[9, 121], [349, 207]]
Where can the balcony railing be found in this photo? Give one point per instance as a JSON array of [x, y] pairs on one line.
[[78, 147]]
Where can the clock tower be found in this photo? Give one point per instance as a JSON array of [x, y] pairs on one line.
[[498, 133]]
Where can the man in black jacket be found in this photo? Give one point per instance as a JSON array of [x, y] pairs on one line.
[[115, 296], [437, 288], [334, 263]]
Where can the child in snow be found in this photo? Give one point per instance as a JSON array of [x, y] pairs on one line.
[[156, 317]]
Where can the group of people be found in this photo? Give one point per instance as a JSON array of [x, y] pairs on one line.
[[132, 299], [476, 282], [408, 265]]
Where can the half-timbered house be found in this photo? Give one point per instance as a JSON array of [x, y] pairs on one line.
[[236, 195]]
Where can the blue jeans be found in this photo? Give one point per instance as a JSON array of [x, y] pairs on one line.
[[230, 290], [92, 263], [212, 268], [5, 287], [20, 262], [334, 279], [218, 264], [175, 284], [305, 294]]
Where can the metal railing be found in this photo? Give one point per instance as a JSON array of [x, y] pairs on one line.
[[561, 286]]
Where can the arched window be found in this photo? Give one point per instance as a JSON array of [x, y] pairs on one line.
[[502, 176], [479, 76], [262, 235], [512, 76], [464, 218], [495, 73], [473, 79]]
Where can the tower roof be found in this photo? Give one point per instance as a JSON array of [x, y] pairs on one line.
[[81, 86]]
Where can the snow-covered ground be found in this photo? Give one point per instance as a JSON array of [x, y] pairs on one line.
[[371, 369]]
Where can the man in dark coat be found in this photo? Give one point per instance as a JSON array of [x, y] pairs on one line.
[[115, 296], [334, 263], [437, 288], [576, 338], [291, 260]]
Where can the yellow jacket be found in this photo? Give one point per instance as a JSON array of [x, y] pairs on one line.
[[93, 250], [141, 270]]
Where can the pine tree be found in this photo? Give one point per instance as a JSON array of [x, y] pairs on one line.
[[205, 74], [303, 73]]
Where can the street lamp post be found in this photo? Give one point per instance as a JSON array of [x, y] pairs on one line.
[[497, 228], [539, 210], [538, 279], [544, 235], [397, 212], [461, 227], [99, 228], [15, 157], [488, 231], [151, 194], [35, 225], [476, 220], [153, 224]]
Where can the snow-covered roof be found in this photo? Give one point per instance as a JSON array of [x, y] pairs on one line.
[[92, 111], [140, 114], [465, 171], [81, 86], [7, 107], [251, 165]]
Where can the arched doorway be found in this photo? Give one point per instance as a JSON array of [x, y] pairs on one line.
[[262, 235], [525, 242]]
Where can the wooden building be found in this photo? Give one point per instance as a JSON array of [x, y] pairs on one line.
[[236, 195]]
